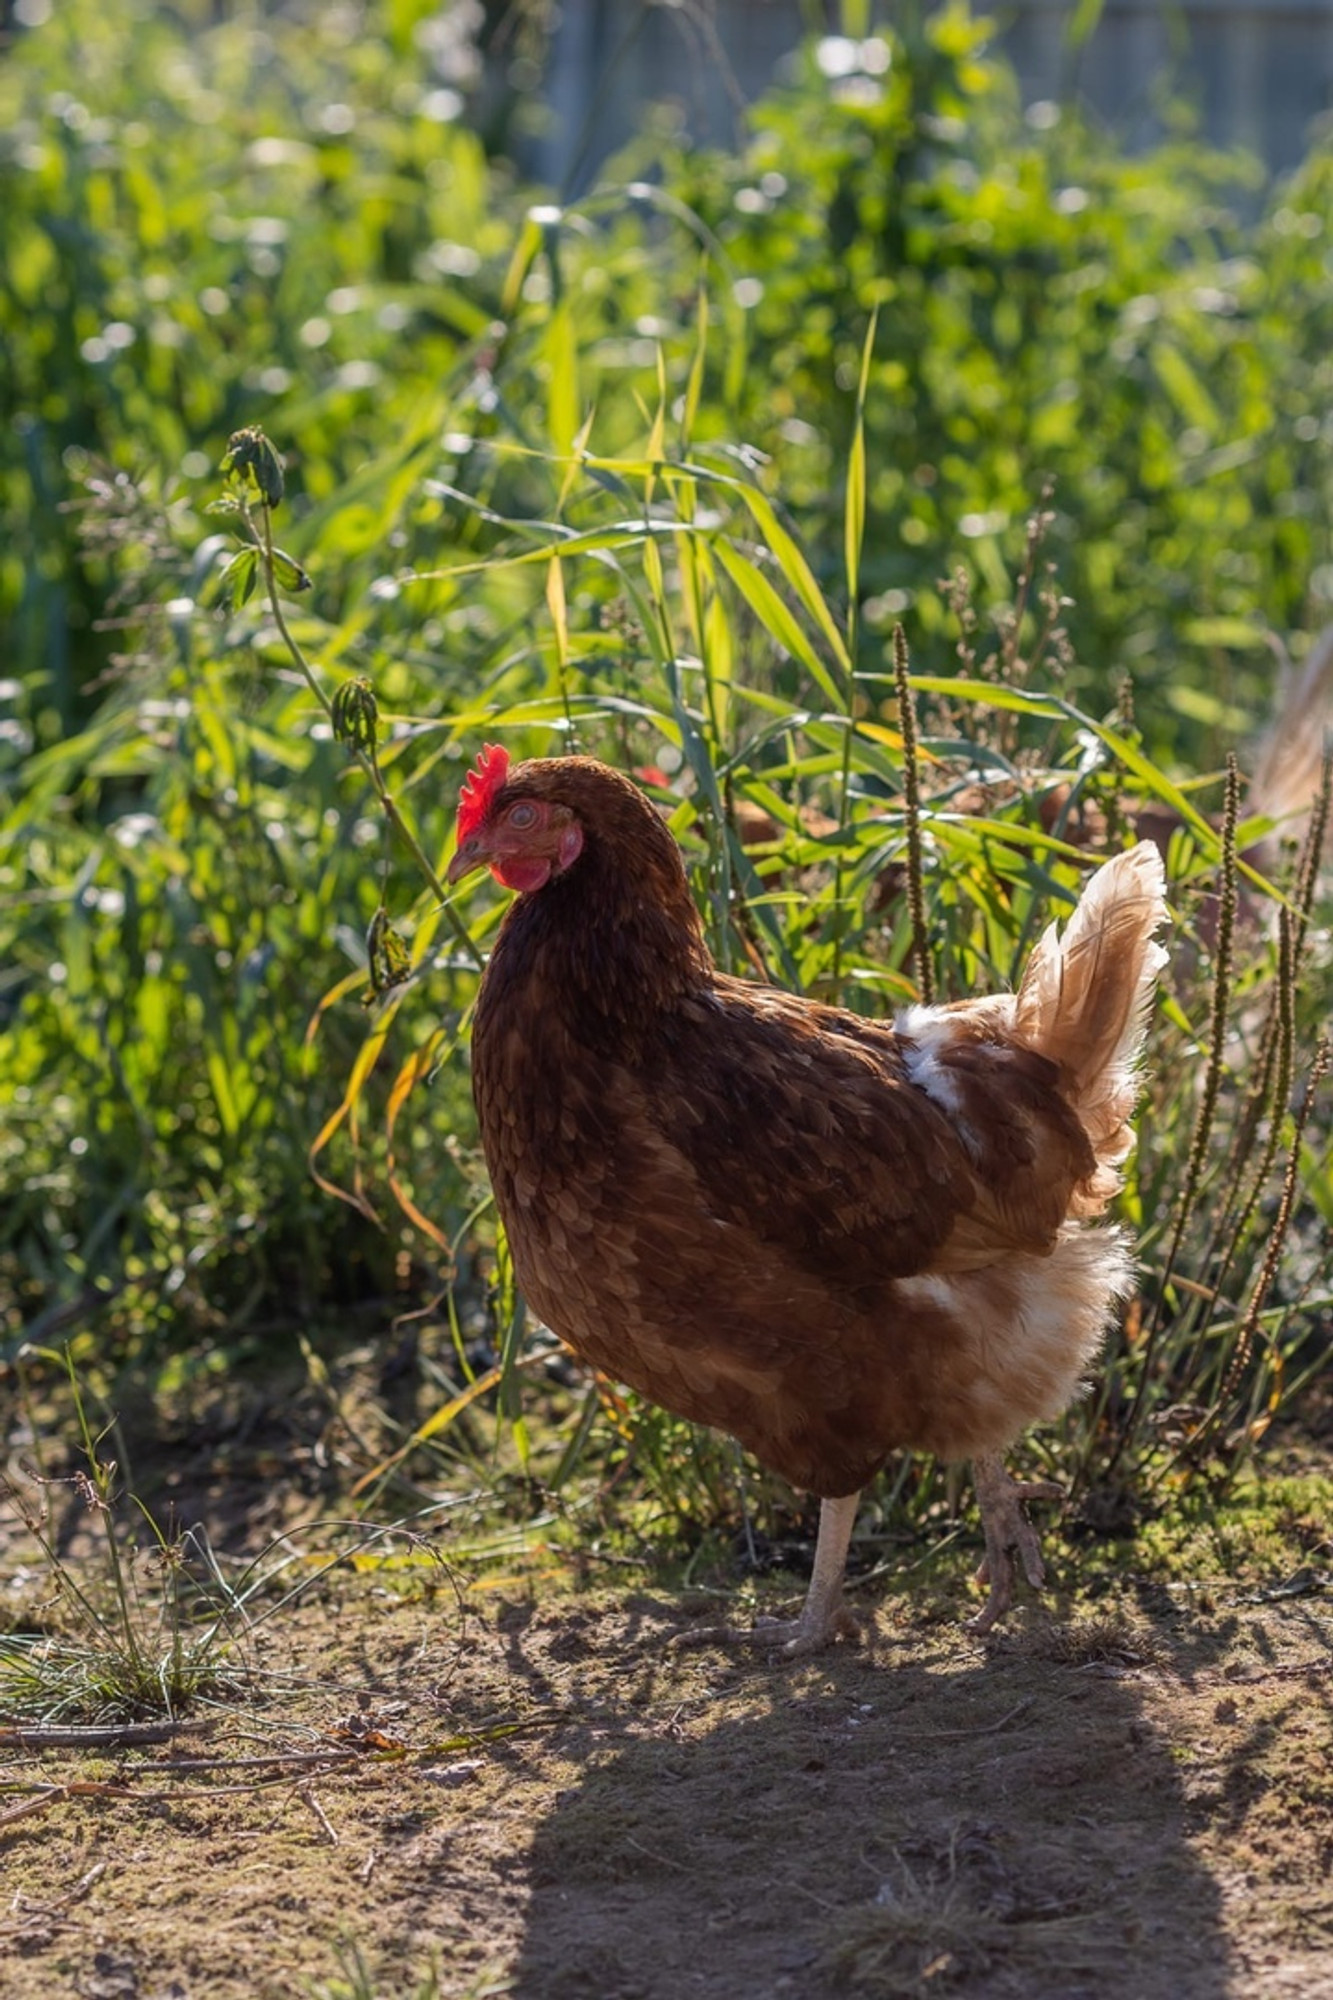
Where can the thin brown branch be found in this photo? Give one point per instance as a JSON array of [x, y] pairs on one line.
[[101, 1735], [308, 1797]]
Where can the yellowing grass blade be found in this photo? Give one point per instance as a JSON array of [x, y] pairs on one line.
[[774, 615], [418, 1065], [854, 517], [440, 1420]]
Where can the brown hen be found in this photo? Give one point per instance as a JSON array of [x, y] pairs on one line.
[[833, 1238]]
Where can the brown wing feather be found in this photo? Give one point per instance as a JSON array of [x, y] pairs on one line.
[[1007, 1106], [799, 1124], [759, 1176], [626, 1247]]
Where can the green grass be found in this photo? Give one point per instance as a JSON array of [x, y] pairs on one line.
[[356, 1980], [141, 1624]]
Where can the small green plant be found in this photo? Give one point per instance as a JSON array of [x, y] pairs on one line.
[[356, 1980], [142, 1626]]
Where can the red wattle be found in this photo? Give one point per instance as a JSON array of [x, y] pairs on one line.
[[522, 875]]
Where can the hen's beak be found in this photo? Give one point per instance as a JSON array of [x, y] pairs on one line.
[[471, 855]]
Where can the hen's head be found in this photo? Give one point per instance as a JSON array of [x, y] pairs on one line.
[[531, 823], [604, 922], [523, 835]]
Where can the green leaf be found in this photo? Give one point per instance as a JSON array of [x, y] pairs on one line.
[[219, 1076], [774, 615], [1238, 634], [239, 576], [854, 514], [562, 408], [1184, 385], [795, 569], [250, 457], [354, 713], [388, 959], [289, 572], [1083, 22], [694, 387]]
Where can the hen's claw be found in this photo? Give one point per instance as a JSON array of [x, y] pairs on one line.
[[824, 1617], [794, 1638], [1006, 1528]]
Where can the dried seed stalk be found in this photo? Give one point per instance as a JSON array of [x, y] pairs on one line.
[[1212, 1083], [1203, 1126], [1277, 1069], [1272, 1256], [1312, 852], [1278, 1033]]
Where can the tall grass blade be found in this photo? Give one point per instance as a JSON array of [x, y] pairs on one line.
[[916, 879]]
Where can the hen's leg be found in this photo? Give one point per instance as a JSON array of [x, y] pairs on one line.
[[1007, 1528], [823, 1615]]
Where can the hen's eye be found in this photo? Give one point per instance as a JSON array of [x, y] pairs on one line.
[[523, 816]]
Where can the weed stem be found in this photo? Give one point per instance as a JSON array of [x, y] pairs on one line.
[[368, 760]]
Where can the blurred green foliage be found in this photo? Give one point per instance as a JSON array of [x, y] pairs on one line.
[[1047, 307], [285, 221]]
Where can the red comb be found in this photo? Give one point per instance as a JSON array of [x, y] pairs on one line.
[[479, 789]]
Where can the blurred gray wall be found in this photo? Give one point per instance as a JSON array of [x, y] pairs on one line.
[[1258, 72]]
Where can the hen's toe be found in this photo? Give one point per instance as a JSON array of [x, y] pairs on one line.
[[1008, 1533]]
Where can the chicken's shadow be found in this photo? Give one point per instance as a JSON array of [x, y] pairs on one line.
[[1008, 1828]]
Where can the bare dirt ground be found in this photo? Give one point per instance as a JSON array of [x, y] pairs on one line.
[[525, 1789]]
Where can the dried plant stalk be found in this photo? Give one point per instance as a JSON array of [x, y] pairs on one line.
[[1203, 1127], [1277, 1070], [1277, 1038], [1278, 1235], [1212, 1083], [1312, 852]]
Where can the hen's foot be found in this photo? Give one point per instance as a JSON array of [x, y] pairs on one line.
[[1007, 1529], [794, 1638], [824, 1616]]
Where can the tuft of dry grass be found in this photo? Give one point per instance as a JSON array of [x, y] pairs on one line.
[[950, 1914], [1113, 1638]]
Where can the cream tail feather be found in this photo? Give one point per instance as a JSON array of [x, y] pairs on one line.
[[1084, 1002]]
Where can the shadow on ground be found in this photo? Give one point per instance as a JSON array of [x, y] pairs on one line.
[[1002, 1826]]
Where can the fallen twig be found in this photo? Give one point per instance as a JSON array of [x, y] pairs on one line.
[[985, 1728], [40, 1914], [287, 1760], [307, 1796], [282, 1765], [31, 1806], [100, 1735]]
